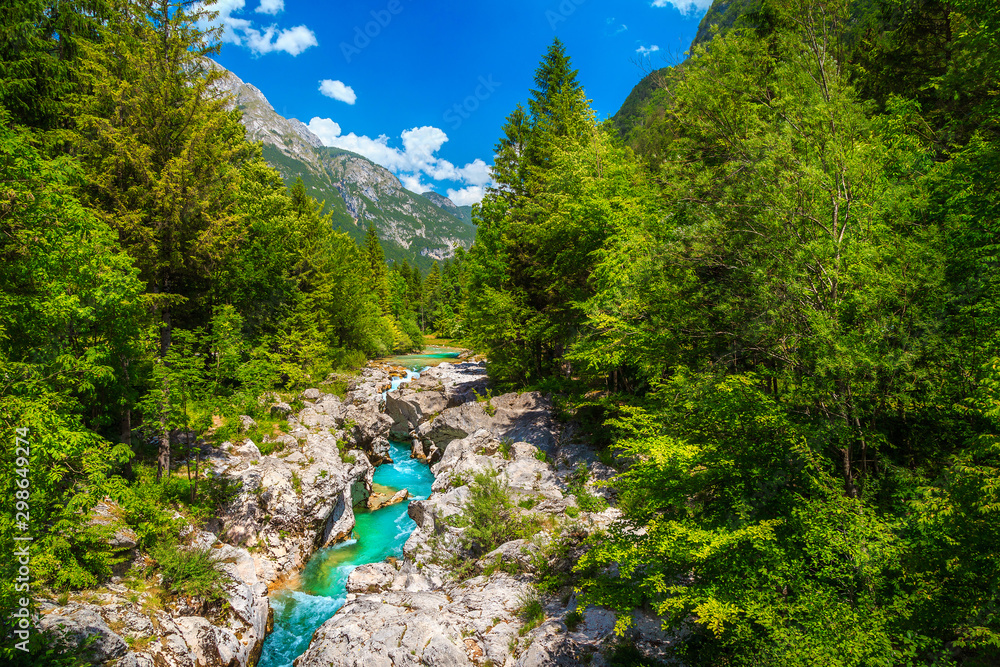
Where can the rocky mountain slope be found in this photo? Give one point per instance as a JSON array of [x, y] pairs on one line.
[[356, 191], [723, 14], [463, 213]]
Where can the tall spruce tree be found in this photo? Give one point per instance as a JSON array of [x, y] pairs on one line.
[[162, 154], [519, 297], [379, 273]]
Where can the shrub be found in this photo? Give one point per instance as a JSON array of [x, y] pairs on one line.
[[490, 517], [484, 400], [191, 572], [573, 620], [587, 501], [506, 448]]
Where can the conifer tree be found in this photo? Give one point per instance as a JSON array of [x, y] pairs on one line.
[[162, 153], [376, 263], [40, 46]]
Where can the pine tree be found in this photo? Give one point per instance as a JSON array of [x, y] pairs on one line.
[[519, 296], [40, 46], [554, 75], [162, 153], [432, 292], [376, 263], [301, 203]]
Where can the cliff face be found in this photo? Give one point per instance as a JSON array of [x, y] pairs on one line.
[[356, 191]]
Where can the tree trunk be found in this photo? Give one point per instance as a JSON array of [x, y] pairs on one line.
[[849, 485], [194, 489], [125, 437], [163, 456]]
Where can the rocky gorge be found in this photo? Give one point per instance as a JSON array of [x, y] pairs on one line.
[[442, 602]]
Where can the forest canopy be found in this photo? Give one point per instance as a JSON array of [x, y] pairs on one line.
[[772, 303]]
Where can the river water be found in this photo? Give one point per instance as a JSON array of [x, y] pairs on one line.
[[321, 588]]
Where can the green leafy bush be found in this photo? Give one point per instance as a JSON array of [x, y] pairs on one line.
[[506, 448], [587, 501], [191, 572], [490, 517]]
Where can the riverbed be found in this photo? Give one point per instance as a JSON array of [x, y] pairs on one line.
[[321, 588]]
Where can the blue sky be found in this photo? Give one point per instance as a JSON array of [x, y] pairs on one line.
[[423, 87]]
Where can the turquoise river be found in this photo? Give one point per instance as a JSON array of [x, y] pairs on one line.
[[321, 591]]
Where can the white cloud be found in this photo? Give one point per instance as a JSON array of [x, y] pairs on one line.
[[645, 51], [476, 173], [271, 7], [615, 28], [685, 7], [413, 183], [325, 129], [415, 161], [243, 32], [467, 196], [338, 90], [294, 40]]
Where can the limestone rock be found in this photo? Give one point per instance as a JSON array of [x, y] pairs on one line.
[[281, 410], [371, 578], [169, 635], [246, 423], [109, 513]]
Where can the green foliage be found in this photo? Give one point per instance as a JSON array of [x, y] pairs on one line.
[[530, 611], [577, 483], [489, 517], [191, 572], [506, 447], [485, 400], [44, 650], [730, 493]]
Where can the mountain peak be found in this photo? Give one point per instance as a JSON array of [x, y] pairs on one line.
[[356, 191], [440, 201]]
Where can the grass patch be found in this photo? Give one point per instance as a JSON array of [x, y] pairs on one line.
[[528, 503], [531, 612], [484, 400], [191, 572], [506, 449]]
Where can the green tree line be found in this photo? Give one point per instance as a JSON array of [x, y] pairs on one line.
[[775, 300], [154, 273]]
